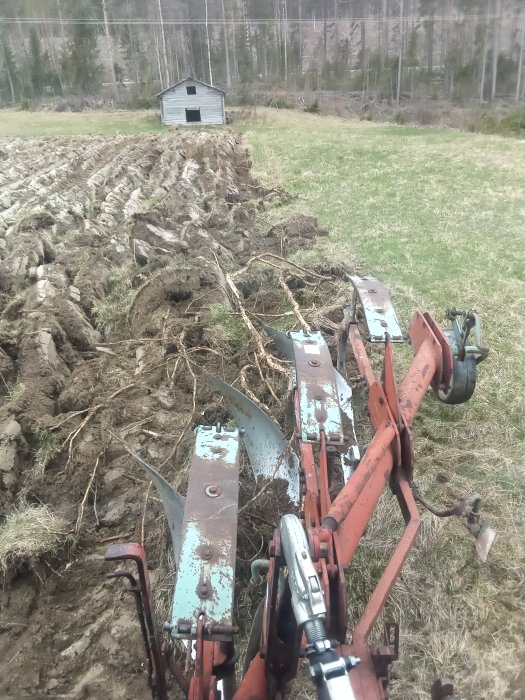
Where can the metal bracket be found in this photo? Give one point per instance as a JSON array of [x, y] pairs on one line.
[[206, 573], [463, 322], [285, 345], [380, 316], [316, 388], [142, 591], [386, 654]]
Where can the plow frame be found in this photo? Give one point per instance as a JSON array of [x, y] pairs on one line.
[[333, 529]]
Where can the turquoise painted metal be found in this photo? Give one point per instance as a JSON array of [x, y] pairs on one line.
[[316, 385], [206, 572], [380, 316]]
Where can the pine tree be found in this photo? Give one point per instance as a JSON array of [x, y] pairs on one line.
[[80, 60], [38, 73], [8, 72]]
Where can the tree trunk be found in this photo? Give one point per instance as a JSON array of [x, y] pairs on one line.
[[176, 43], [11, 86], [208, 43], [234, 52], [300, 62], [484, 54], [336, 37], [520, 60], [285, 26], [364, 17], [430, 46], [495, 49], [60, 23], [325, 44], [384, 34], [8, 72], [167, 78], [157, 52], [400, 62], [109, 51], [226, 47], [51, 49], [278, 38]]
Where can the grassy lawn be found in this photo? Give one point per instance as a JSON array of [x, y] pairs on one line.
[[440, 217], [21, 123]]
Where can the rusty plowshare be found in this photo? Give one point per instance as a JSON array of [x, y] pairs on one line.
[[191, 102]]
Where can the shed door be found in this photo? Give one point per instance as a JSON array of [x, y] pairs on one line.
[[193, 115]]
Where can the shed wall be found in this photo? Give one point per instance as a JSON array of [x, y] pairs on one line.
[[175, 102]]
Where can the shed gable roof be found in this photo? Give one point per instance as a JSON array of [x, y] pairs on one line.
[[193, 80]]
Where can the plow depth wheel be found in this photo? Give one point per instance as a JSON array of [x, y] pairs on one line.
[[463, 380]]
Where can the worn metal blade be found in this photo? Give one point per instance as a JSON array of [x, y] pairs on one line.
[[206, 577], [268, 451], [172, 500], [381, 318], [344, 394], [350, 460], [484, 541], [282, 340], [285, 346]]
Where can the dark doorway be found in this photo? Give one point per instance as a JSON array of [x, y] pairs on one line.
[[193, 115]]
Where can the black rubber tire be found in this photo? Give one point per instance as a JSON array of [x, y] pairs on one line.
[[463, 382]]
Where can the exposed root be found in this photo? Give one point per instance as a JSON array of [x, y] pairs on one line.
[[80, 517], [295, 305], [91, 412], [269, 257], [270, 360], [247, 390], [191, 416], [266, 380]]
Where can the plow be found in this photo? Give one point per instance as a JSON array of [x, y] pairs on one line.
[[333, 484]]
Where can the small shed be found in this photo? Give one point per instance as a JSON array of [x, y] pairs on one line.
[[191, 101]]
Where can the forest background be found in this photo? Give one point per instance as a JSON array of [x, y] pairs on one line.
[[69, 54]]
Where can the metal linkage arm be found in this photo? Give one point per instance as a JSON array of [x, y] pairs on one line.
[[142, 592], [353, 506], [388, 457], [328, 670]]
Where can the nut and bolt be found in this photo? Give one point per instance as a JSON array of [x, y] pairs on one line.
[[206, 553], [213, 490], [203, 590]]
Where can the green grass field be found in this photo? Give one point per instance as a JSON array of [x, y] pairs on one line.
[[440, 217], [22, 123]]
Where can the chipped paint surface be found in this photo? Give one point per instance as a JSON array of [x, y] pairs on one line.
[[381, 318], [316, 386], [206, 574]]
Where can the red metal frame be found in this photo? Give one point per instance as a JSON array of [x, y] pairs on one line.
[[335, 528]]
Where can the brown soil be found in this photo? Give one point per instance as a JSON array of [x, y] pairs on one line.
[[111, 252]]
